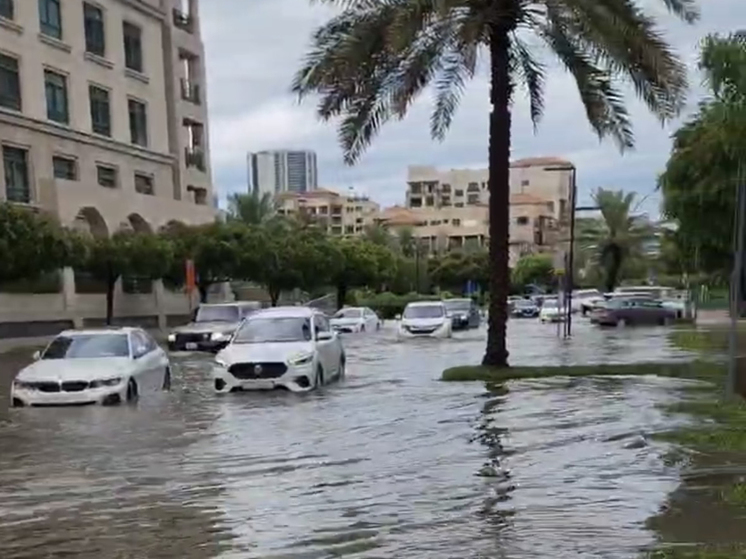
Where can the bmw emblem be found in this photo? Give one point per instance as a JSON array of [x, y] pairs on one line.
[[257, 369]]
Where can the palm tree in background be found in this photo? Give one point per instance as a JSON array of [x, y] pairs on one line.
[[370, 62], [617, 238], [251, 209]]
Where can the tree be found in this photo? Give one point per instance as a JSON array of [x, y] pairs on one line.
[[455, 269], [617, 237], [537, 269], [361, 263], [33, 244], [251, 209], [125, 253], [373, 59], [707, 159]]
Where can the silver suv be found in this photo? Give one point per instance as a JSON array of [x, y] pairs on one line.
[[212, 326]]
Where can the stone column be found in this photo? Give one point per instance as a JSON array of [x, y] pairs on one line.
[[70, 297], [159, 294]]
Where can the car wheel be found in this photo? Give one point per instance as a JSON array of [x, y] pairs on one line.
[[621, 322], [342, 368], [167, 378], [132, 391], [319, 377], [378, 326], [362, 328]]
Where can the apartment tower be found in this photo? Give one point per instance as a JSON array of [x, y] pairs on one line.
[[275, 172]]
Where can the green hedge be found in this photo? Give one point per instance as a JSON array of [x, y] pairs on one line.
[[48, 283], [388, 305]]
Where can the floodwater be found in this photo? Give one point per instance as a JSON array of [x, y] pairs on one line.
[[390, 463]]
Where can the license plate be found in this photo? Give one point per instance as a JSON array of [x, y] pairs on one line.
[[259, 384], [190, 346]]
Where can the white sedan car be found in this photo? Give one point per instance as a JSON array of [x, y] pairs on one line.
[[285, 347], [552, 312], [355, 319], [425, 319], [106, 366]]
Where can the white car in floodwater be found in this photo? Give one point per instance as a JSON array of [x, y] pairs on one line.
[[355, 319], [284, 347], [102, 366], [551, 311], [428, 319]]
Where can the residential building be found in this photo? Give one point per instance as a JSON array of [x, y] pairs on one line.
[[273, 172], [343, 214], [103, 114]]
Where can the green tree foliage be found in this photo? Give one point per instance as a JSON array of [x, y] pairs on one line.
[[251, 209], [33, 244], [453, 270], [617, 238], [537, 269], [373, 59], [126, 253], [701, 177], [360, 263]]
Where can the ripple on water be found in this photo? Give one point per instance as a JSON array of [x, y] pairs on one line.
[[388, 464]]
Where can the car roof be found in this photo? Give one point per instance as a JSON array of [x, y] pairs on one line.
[[425, 303], [345, 308], [458, 299], [102, 331], [287, 312]]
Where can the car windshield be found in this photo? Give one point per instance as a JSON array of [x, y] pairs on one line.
[[349, 313], [423, 311], [82, 346], [550, 303], [217, 313], [274, 329], [458, 305], [525, 303]]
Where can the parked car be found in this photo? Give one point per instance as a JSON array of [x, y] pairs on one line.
[[425, 319], [284, 347], [583, 300], [355, 319], [101, 366], [525, 308], [632, 311], [551, 311], [464, 313], [212, 326]]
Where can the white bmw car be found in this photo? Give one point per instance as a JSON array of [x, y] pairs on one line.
[[355, 319], [425, 319], [104, 366], [285, 347]]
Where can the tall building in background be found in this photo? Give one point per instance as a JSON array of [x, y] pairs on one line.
[[103, 115], [274, 172]]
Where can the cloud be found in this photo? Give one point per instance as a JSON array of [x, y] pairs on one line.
[[253, 49]]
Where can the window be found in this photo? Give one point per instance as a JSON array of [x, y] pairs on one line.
[[524, 183], [459, 192], [6, 9], [100, 110], [138, 123], [95, 38], [50, 18], [17, 183], [10, 83], [65, 168], [456, 222], [144, 184], [56, 88], [132, 46], [107, 176], [523, 220]]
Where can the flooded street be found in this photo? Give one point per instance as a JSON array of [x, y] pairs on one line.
[[391, 463]]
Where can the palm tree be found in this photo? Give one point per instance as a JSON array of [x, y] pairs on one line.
[[251, 209], [370, 62], [617, 238]]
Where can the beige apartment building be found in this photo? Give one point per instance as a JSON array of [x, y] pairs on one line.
[[344, 214], [103, 112]]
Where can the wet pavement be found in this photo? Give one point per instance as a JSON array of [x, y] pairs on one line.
[[390, 463]]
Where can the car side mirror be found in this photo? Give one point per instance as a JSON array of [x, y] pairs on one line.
[[37, 355], [323, 336], [397, 317]]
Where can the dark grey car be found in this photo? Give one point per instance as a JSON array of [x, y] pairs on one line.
[[212, 326], [463, 312], [634, 311]]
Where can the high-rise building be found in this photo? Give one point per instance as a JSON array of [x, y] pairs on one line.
[[274, 172], [103, 113]]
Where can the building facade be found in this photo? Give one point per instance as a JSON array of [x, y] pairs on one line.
[[103, 112], [342, 214], [274, 172]]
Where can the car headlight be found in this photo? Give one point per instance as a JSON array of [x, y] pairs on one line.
[[21, 384], [221, 363], [220, 336], [301, 359], [106, 382], [172, 337]]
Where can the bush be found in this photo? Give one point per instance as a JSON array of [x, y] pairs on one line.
[[46, 283], [388, 305]]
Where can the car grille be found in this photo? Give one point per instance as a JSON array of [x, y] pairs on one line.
[[192, 338], [422, 330], [74, 386], [248, 371]]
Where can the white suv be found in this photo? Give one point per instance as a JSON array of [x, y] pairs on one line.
[[425, 319]]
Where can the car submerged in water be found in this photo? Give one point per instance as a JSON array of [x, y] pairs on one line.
[[97, 366], [428, 319], [212, 326], [284, 347], [524, 308], [464, 313], [355, 319]]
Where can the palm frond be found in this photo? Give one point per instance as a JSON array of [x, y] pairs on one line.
[[531, 73]]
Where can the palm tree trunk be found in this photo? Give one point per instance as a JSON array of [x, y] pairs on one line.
[[496, 354]]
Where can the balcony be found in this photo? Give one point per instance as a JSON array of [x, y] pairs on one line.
[[190, 91], [183, 21], [195, 157]]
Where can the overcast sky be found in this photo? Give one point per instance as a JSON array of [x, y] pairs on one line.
[[254, 47]]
